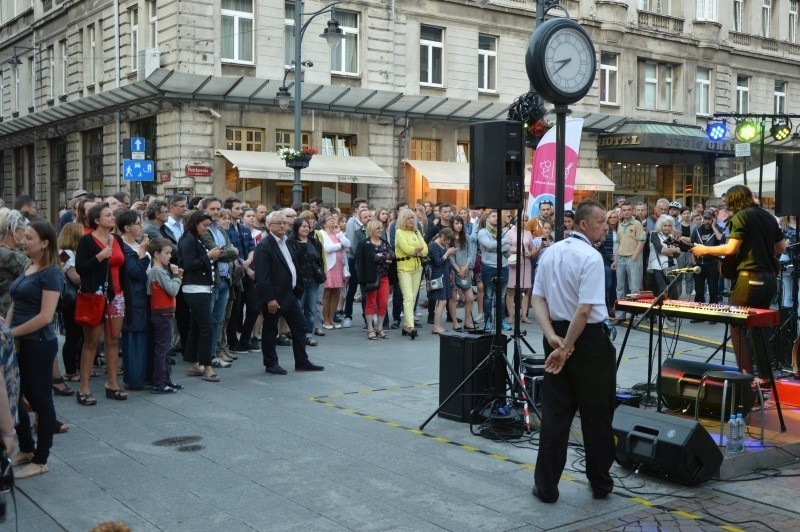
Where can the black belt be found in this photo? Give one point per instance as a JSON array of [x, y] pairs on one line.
[[598, 325], [406, 258]]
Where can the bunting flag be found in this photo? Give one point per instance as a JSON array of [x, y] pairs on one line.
[[543, 167]]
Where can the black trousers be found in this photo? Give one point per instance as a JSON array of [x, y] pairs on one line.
[[709, 275], [246, 305], [586, 383], [182, 318], [198, 346], [35, 375], [296, 320], [754, 289], [73, 342]]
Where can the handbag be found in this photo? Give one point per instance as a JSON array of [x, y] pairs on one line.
[[512, 260], [464, 283], [89, 308], [69, 294], [319, 274], [372, 285], [436, 284]]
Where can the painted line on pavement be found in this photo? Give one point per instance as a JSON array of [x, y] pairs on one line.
[[323, 400]]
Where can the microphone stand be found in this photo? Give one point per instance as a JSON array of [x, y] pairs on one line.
[[657, 302]]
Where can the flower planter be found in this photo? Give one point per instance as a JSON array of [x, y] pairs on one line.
[[299, 161]]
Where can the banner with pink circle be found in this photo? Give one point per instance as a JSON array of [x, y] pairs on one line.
[[542, 185]]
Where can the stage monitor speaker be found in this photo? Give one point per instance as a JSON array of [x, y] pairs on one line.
[[496, 164], [787, 184], [665, 446], [459, 354], [680, 383]]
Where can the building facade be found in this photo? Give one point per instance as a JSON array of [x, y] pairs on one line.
[[197, 80]]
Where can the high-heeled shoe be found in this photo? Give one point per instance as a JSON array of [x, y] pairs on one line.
[[412, 333]]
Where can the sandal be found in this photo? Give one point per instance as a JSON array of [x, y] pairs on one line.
[[372, 336], [61, 428], [311, 341], [94, 373], [211, 378], [66, 391], [86, 399], [175, 385], [382, 335], [73, 377], [117, 395]]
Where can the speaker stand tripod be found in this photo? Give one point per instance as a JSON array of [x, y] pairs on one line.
[[497, 351]]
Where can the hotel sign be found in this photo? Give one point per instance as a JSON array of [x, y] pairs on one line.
[[662, 141]]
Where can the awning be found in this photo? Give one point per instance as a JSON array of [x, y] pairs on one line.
[[442, 175], [661, 137], [768, 185], [324, 168]]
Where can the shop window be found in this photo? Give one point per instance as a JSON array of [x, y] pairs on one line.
[[334, 144], [244, 139], [285, 139], [424, 150], [93, 160]]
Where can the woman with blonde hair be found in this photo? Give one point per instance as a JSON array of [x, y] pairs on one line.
[[334, 242], [409, 248], [12, 260]]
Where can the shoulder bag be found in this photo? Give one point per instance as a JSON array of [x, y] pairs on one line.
[[69, 294], [89, 308]]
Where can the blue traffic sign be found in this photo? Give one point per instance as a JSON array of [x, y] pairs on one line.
[[137, 144], [137, 170]]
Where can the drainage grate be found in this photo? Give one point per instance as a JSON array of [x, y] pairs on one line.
[[190, 448], [174, 441]]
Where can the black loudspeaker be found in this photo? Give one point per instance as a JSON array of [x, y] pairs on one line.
[[459, 354], [680, 383], [672, 448], [787, 184], [496, 164]]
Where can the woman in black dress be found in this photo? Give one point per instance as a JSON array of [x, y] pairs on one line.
[[439, 252]]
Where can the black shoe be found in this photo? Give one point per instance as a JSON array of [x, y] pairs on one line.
[[282, 340], [308, 366], [430, 320], [276, 370], [599, 494], [236, 348], [396, 324], [255, 344], [538, 495]]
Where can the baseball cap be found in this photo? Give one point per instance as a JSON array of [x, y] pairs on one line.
[[675, 204], [78, 193], [708, 213]]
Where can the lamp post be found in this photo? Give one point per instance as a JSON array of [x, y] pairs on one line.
[[334, 35]]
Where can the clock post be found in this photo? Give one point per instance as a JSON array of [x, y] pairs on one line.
[[561, 111]]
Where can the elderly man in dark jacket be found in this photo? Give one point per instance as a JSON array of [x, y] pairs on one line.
[[278, 285]]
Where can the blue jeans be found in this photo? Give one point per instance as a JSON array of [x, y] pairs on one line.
[[309, 304], [611, 285], [219, 300], [487, 275]]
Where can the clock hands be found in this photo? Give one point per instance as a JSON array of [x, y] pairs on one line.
[[564, 62]]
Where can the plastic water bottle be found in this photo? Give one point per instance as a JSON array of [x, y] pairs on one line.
[[741, 428], [99, 290], [732, 435]]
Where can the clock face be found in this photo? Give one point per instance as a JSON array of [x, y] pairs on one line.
[[569, 60], [560, 61]]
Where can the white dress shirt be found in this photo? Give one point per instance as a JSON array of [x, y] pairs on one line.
[[286, 255]]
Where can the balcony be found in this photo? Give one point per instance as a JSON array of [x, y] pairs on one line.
[[742, 39], [660, 22]]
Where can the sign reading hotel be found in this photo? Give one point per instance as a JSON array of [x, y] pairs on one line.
[[543, 168]]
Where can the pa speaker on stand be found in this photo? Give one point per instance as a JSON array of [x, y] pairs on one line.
[[787, 184], [496, 164]]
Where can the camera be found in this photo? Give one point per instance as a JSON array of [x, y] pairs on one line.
[[670, 241]]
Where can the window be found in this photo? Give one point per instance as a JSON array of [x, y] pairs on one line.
[[15, 72], [285, 139], [742, 94], [793, 9], [608, 77], [780, 97], [244, 139], [487, 63], [707, 10], [702, 92], [462, 152], [424, 150], [656, 6], [288, 34], [431, 46], [2, 99], [134, 15], [344, 57], [657, 87], [738, 15], [766, 17], [333, 144], [62, 52], [92, 59], [237, 31], [152, 17], [51, 69], [93, 160]]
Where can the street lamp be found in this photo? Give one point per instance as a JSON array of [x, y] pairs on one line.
[[334, 35]]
